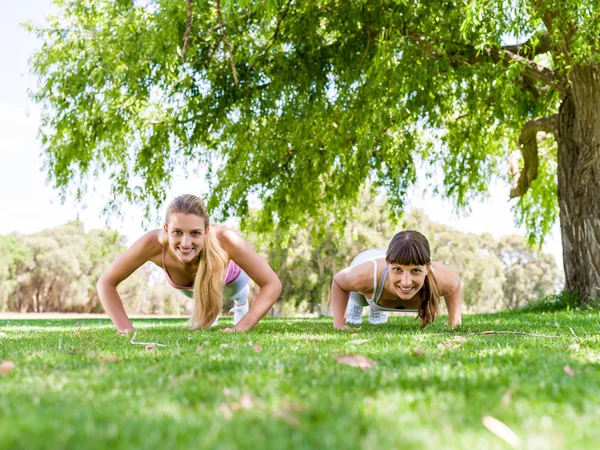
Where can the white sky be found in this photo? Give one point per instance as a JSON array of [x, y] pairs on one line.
[[28, 204]]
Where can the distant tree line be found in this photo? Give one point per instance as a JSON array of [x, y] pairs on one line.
[[56, 270]]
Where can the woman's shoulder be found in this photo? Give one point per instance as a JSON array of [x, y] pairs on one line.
[[226, 236], [359, 278], [150, 243], [447, 277]]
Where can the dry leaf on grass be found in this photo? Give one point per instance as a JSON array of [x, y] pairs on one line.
[[357, 341], [175, 381], [355, 360], [501, 430], [418, 352], [228, 392], [450, 345], [6, 367], [111, 358], [288, 418], [460, 339], [77, 330], [246, 402], [225, 411], [507, 397], [257, 348], [568, 370], [150, 347]]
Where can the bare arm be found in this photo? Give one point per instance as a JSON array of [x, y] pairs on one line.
[[139, 253], [242, 253], [452, 295], [453, 303], [350, 279]]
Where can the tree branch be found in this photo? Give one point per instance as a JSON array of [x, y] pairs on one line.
[[272, 41], [516, 332], [529, 150], [532, 70], [467, 54], [233, 69], [527, 49], [188, 28]]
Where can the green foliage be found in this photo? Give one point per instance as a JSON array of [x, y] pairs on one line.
[[65, 393], [299, 103]]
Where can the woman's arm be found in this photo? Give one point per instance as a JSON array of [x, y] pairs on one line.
[[139, 253], [350, 279], [242, 253], [452, 295]]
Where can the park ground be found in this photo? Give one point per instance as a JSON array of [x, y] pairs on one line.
[[76, 383]]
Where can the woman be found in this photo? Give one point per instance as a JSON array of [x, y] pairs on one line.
[[403, 278], [206, 262]]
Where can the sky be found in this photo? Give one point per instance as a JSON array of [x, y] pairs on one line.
[[29, 204]]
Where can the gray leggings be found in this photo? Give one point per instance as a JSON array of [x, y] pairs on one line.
[[236, 291]]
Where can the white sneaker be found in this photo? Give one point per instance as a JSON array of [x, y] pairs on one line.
[[239, 311], [354, 313], [377, 317]]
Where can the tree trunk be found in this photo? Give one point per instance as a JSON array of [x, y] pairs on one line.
[[578, 137]]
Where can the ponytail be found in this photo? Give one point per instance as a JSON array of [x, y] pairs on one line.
[[430, 296], [208, 286]]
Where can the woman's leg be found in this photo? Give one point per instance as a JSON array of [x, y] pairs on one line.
[[238, 291], [356, 303]]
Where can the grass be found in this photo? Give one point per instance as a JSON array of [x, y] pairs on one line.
[[64, 393]]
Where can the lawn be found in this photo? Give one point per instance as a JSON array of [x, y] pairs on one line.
[[78, 384]]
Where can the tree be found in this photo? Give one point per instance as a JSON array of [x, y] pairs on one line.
[[299, 103]]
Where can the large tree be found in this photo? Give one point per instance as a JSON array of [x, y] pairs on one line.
[[298, 103]]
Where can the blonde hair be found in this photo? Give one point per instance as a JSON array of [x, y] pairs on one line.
[[409, 248], [212, 262]]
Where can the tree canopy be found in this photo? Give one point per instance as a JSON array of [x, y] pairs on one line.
[[299, 103]]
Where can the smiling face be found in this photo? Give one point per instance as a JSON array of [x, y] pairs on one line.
[[186, 234], [407, 280], [408, 260]]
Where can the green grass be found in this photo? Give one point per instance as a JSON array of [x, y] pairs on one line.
[[293, 394]]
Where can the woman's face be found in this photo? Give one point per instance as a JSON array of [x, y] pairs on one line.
[[186, 234], [407, 280]]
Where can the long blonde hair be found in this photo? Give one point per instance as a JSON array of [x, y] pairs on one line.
[[212, 262], [409, 248]]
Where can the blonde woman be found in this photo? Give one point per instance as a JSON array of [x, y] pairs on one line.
[[403, 278], [206, 262]]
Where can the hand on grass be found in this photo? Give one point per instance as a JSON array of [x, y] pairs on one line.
[[126, 331], [230, 330]]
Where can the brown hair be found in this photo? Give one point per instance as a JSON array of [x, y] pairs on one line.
[[411, 248], [212, 261]]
